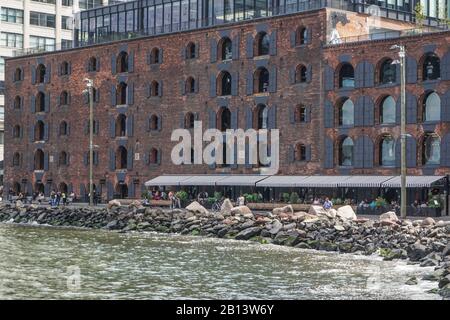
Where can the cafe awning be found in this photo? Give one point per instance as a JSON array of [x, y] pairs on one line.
[[202, 180], [281, 181], [363, 181], [413, 181], [241, 180], [167, 180], [323, 181]]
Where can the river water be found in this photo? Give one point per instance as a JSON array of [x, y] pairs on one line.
[[39, 262]]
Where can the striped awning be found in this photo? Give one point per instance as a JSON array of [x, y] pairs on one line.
[[413, 181], [202, 180], [363, 181], [281, 181], [167, 180], [323, 181], [241, 180]]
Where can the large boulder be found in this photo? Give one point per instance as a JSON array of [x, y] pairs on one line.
[[346, 212], [417, 251], [19, 204], [113, 203], [243, 211], [226, 207], [428, 222], [321, 212], [197, 208], [135, 204], [285, 209], [248, 233], [390, 216], [275, 227]]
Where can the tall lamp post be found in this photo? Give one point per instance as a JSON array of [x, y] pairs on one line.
[[402, 54], [90, 87]]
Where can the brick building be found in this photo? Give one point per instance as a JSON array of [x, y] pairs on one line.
[[336, 105]]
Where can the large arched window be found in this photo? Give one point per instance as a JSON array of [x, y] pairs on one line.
[[226, 49], [261, 78], [190, 50], [63, 158], [40, 102], [122, 157], [121, 125], [153, 124], [17, 102], [154, 88], [18, 75], [122, 62], [432, 107], [64, 98], [301, 36], [262, 116], [39, 130], [387, 111], [346, 152], [154, 155], [122, 93], [346, 112], [154, 56], [39, 160], [346, 76], [63, 128], [387, 151], [40, 73], [388, 72], [431, 69], [190, 85], [92, 65], [431, 149], [224, 84], [189, 120], [16, 159], [262, 44], [300, 152], [224, 119], [300, 74]]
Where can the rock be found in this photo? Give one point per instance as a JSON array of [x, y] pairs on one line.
[[241, 210], [417, 251], [248, 233], [429, 263], [346, 212], [412, 281], [289, 226], [113, 203], [19, 204], [434, 276], [276, 226], [444, 281], [265, 214], [135, 204], [442, 223], [428, 222], [33, 206], [320, 211], [197, 208], [446, 250], [390, 216], [285, 209], [445, 291], [339, 227], [247, 224], [226, 207]]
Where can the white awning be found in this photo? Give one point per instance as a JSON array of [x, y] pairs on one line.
[[168, 180], [364, 181], [202, 180], [281, 181], [323, 181], [241, 180], [412, 181]]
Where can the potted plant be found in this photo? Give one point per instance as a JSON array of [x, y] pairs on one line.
[[183, 196]]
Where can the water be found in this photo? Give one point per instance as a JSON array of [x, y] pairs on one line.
[[44, 263]]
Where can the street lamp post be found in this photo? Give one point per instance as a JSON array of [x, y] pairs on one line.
[[402, 54], [90, 87]]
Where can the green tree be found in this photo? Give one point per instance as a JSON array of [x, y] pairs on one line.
[[420, 15]]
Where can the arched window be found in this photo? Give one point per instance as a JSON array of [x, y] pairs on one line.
[[300, 74], [224, 84], [431, 149], [190, 85], [122, 93], [40, 102], [261, 77], [92, 66], [17, 102], [189, 120], [387, 111], [122, 157], [262, 44], [190, 50], [64, 98], [63, 159], [16, 131], [39, 130], [300, 113], [121, 125], [154, 89], [431, 67], [153, 122], [262, 116], [346, 112], [153, 159], [432, 107], [63, 187], [64, 68], [388, 72], [301, 36], [40, 73], [122, 62], [387, 151], [154, 56], [346, 76], [224, 119], [63, 128], [16, 159], [18, 74], [39, 160], [226, 49], [346, 152], [300, 152]]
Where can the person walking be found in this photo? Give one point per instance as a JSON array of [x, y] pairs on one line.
[[172, 201], [64, 198]]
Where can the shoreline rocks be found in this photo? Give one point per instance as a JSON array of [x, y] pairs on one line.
[[426, 244]]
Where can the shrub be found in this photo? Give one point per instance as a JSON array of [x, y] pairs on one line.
[[182, 195], [294, 197], [380, 202], [286, 196], [218, 195]]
